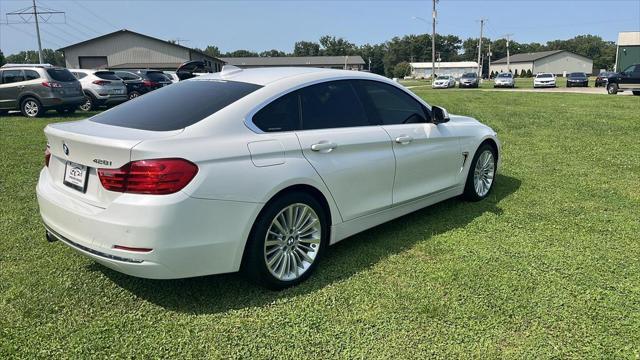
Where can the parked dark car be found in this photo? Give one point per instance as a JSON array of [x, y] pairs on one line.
[[627, 80], [140, 82], [468, 80], [35, 88], [579, 79], [601, 79]]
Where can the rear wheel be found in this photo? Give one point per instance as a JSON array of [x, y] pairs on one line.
[[481, 174], [31, 108], [88, 104], [612, 89], [133, 95], [287, 241]]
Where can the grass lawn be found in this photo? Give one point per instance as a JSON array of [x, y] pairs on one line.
[[547, 267]]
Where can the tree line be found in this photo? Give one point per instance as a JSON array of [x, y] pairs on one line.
[[391, 58]]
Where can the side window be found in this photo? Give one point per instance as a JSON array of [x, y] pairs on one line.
[[331, 104], [31, 75], [125, 75], [80, 75], [283, 114], [631, 69], [11, 76], [390, 105]]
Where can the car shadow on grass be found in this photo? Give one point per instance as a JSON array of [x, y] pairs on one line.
[[220, 293]]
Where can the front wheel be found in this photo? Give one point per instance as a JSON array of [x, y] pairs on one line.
[[133, 95], [287, 241], [88, 104], [612, 89], [481, 174]]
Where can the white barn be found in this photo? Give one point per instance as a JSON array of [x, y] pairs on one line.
[[557, 62], [420, 70]]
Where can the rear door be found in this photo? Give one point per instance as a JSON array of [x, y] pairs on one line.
[[353, 156], [10, 87], [427, 156]]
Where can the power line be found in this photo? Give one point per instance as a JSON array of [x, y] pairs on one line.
[[96, 15], [32, 12], [59, 28], [31, 35]]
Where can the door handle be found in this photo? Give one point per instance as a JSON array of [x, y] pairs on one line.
[[404, 139], [324, 146]]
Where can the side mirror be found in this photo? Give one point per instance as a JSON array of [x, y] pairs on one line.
[[440, 115]]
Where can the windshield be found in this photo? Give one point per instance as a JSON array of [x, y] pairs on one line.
[[157, 76], [469, 75], [63, 75], [544, 76], [504, 75], [177, 106], [442, 78], [578, 75], [107, 75]]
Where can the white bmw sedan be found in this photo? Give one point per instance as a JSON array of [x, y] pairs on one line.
[[256, 169]]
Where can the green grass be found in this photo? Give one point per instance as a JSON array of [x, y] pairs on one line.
[[547, 267]]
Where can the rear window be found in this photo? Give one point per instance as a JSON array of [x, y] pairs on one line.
[[544, 76], [157, 76], [61, 75], [578, 75], [107, 75], [177, 106], [504, 75], [469, 75]]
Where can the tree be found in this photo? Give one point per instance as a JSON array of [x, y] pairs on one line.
[[402, 69], [212, 50], [241, 53], [49, 56], [515, 73], [375, 53], [306, 48], [529, 73], [332, 46], [2, 60], [272, 53]]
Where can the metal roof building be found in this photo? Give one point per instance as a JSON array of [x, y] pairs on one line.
[[554, 61], [421, 70], [126, 49], [354, 62], [628, 49]]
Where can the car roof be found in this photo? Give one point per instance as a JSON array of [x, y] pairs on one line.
[[267, 75]]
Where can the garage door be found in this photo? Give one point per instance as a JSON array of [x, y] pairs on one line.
[[93, 62]]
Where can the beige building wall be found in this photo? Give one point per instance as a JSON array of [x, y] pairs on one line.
[[498, 68], [563, 62]]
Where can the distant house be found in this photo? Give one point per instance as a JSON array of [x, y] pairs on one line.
[[352, 62], [628, 50], [421, 70], [557, 62], [126, 49]]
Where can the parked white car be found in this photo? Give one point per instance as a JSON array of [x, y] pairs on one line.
[[100, 87], [172, 76], [258, 169], [544, 80], [444, 82]]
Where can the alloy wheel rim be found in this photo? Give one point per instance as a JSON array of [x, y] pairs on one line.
[[31, 108], [133, 96], [86, 106], [292, 242], [483, 173]]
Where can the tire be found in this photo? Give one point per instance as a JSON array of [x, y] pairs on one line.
[[612, 89], [89, 103], [270, 265], [473, 190], [31, 108], [133, 95]]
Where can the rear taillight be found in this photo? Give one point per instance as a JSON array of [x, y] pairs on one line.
[[101, 82], [150, 83], [156, 176], [47, 156], [51, 84]]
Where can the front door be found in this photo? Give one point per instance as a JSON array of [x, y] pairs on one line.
[[630, 78]]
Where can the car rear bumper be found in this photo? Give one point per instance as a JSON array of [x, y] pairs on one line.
[[53, 102], [188, 236], [112, 99]]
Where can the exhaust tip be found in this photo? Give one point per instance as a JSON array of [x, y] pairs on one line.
[[50, 237]]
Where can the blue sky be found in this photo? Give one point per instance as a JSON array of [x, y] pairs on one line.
[[263, 25]]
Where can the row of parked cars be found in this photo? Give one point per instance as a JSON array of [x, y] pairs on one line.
[[629, 79], [35, 88]]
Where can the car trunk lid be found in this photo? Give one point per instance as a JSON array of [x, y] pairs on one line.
[[86, 146]]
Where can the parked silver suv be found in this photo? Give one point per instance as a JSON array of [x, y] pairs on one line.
[[36, 88], [101, 87]]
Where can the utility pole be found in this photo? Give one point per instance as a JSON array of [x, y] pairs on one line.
[[508, 36], [25, 15], [480, 48], [433, 41], [489, 57], [369, 64]]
